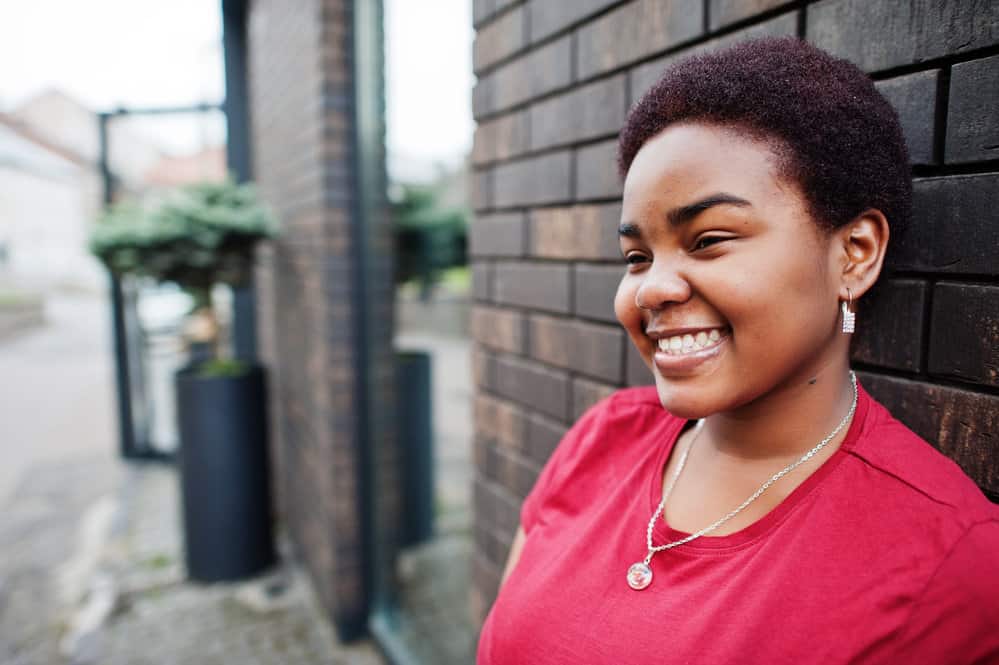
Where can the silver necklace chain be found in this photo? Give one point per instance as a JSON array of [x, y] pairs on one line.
[[654, 549]]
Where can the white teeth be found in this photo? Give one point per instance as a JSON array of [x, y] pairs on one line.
[[680, 344]]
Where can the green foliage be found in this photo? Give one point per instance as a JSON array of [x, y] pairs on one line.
[[428, 238], [223, 367], [201, 235]]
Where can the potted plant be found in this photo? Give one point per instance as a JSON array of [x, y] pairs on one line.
[[198, 237]]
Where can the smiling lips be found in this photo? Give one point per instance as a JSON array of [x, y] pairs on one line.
[[690, 342]]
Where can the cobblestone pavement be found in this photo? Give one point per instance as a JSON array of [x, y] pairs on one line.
[[91, 567], [39, 530], [160, 618], [92, 572]]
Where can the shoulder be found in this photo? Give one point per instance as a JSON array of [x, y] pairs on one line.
[[911, 466], [595, 452], [626, 411]]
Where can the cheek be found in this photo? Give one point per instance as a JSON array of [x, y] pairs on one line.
[[627, 312]]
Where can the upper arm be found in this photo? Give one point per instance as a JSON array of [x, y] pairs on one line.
[[958, 611]]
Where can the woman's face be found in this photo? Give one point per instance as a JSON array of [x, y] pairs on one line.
[[731, 289]]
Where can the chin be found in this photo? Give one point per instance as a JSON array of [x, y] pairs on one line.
[[688, 402]]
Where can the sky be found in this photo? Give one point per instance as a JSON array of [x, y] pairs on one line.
[[145, 53]]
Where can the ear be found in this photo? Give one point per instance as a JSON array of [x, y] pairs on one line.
[[861, 246]]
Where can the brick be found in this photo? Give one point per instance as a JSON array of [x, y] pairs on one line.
[[482, 97], [550, 340], [482, 10], [534, 285], [645, 76], [520, 475], [590, 111], [594, 289], [916, 30], [550, 67], [577, 232], [532, 181], [502, 234], [501, 421], [501, 138], [528, 383], [598, 350], [486, 579], [890, 325], [484, 500], [504, 509], [533, 74], [482, 185], [914, 97], [586, 393], [637, 373], [482, 278], [488, 542], [486, 457], [551, 16], [635, 31], [726, 12], [543, 436], [483, 368], [503, 4], [973, 111], [497, 328], [500, 39], [590, 348], [596, 172], [964, 425], [955, 227], [964, 332]]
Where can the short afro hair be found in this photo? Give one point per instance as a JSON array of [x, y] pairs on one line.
[[832, 132]]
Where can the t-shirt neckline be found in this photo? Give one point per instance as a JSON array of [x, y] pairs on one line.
[[663, 533]]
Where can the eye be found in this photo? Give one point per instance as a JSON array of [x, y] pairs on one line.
[[635, 258], [707, 241]]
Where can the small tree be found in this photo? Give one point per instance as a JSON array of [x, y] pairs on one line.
[[428, 237], [199, 236]]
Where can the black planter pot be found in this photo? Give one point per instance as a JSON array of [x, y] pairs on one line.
[[414, 409], [224, 474]]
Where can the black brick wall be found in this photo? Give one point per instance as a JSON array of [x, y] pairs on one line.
[[549, 101]]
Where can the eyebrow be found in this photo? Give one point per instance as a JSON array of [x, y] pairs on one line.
[[683, 214]]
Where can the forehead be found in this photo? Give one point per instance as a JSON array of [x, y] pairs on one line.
[[689, 160]]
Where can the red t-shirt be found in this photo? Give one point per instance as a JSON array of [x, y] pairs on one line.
[[887, 553]]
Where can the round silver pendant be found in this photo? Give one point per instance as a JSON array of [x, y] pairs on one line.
[[639, 576]]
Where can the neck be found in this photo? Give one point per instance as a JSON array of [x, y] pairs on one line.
[[786, 422]]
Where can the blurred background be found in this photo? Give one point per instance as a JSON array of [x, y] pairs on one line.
[[124, 104]]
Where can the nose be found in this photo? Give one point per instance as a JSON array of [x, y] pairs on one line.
[[661, 285]]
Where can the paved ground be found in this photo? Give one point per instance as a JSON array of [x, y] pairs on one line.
[[90, 554], [435, 617]]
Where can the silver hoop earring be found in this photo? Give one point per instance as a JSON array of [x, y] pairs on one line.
[[849, 318]]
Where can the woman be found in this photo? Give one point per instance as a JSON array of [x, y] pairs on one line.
[[756, 505]]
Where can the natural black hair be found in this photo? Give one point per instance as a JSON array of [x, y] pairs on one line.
[[832, 131]]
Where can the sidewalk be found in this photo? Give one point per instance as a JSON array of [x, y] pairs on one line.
[[92, 572], [91, 563]]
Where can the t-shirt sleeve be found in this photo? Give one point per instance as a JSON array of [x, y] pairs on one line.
[[956, 619], [566, 455]]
